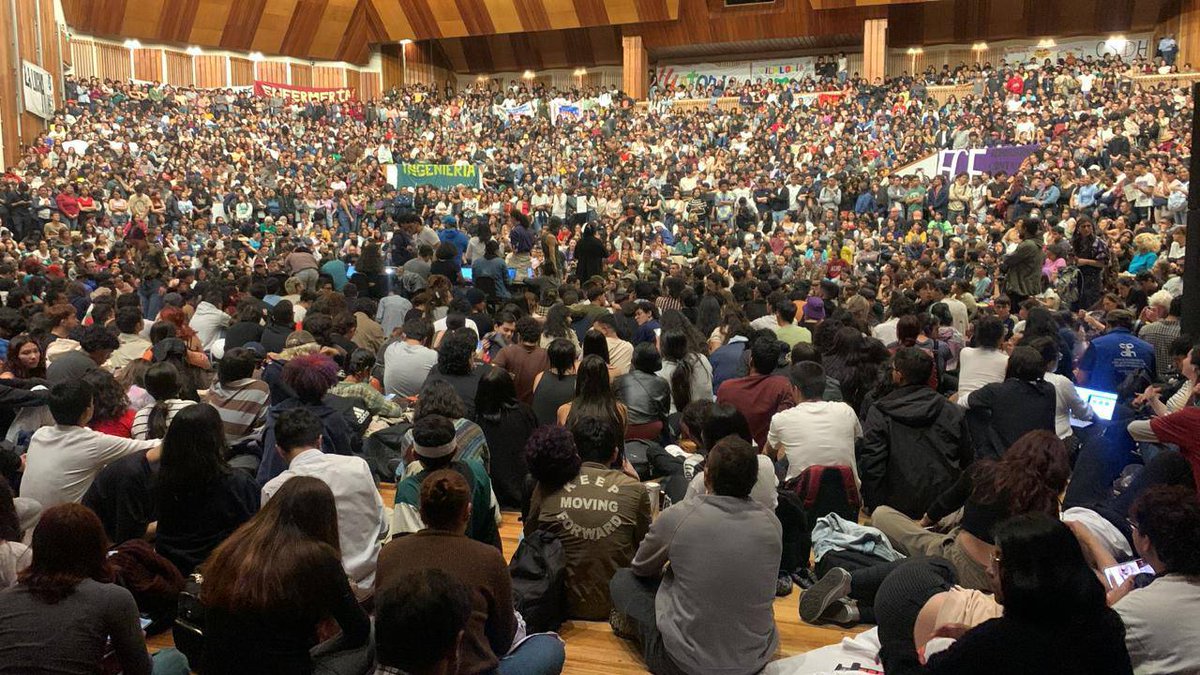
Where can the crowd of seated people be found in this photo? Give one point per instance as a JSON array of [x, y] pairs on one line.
[[701, 359]]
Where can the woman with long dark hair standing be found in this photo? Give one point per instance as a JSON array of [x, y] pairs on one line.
[[273, 581], [200, 500]]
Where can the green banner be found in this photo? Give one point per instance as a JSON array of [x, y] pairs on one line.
[[437, 175]]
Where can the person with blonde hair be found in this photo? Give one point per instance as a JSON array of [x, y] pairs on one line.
[[1147, 245]]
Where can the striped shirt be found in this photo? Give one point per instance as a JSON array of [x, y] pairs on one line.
[[242, 405], [141, 421]]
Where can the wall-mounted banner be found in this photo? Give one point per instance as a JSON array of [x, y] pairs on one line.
[[297, 94], [983, 160], [37, 91], [711, 74], [1127, 48], [438, 175]]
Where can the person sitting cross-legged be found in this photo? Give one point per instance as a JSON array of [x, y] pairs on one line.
[[717, 554]]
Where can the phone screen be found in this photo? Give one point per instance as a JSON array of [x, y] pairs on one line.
[[1117, 574]]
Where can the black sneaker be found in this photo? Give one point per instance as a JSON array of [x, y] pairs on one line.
[[843, 613], [621, 625], [783, 585], [804, 578], [832, 587]]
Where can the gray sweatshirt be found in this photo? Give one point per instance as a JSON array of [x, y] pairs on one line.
[[715, 605]]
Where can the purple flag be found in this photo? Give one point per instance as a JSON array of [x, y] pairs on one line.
[[990, 160]]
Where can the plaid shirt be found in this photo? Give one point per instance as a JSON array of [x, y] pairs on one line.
[[1160, 335]]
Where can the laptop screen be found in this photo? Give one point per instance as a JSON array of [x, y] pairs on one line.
[[1102, 403]]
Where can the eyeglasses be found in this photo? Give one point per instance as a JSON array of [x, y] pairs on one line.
[[1132, 524]]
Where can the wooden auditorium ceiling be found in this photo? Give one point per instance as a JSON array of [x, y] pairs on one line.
[[343, 29]]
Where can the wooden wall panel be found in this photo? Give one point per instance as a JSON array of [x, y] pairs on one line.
[[389, 70], [273, 71], [147, 65], [327, 77], [709, 21], [370, 88], [354, 81], [489, 54], [29, 34], [345, 29], [210, 71], [179, 69], [302, 75], [241, 72], [83, 62], [112, 62], [966, 21]]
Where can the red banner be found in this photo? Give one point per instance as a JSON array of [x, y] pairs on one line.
[[303, 94]]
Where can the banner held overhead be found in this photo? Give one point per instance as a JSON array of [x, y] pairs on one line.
[[296, 94], [438, 175]]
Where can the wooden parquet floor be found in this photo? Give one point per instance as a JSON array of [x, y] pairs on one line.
[[592, 649]]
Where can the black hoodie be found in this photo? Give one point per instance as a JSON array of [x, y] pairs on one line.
[[915, 444]]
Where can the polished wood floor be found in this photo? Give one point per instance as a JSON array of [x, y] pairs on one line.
[[592, 649]]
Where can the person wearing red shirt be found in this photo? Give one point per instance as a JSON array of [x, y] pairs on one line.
[[1015, 84], [1182, 427], [759, 395], [68, 206]]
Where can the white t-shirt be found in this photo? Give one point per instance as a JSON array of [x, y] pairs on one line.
[[1068, 404], [439, 326], [978, 366], [764, 492], [1145, 184], [816, 433]]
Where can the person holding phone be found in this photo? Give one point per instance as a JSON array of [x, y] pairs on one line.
[[1162, 630]]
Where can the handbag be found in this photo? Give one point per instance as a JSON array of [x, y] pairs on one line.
[[188, 630]]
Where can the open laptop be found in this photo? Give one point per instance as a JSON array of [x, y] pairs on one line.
[[1102, 403]]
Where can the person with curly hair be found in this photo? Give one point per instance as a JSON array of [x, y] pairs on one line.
[[112, 413], [456, 366]]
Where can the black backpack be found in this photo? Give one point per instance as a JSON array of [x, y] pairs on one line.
[[539, 581]]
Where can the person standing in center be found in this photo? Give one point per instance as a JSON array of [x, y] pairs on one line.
[[526, 359], [1023, 267]]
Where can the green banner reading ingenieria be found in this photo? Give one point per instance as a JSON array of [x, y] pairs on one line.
[[437, 175]]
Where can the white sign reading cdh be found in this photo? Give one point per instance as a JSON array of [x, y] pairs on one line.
[[37, 91]]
